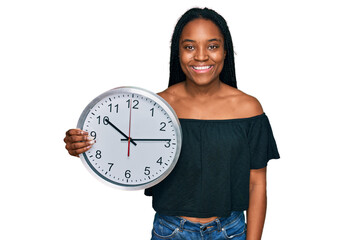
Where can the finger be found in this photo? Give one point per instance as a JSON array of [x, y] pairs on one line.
[[78, 145], [79, 151], [77, 138], [75, 131]]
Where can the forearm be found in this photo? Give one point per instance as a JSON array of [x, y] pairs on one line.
[[256, 212]]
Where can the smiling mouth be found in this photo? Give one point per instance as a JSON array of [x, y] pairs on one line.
[[201, 69]]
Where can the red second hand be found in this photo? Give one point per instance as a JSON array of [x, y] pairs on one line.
[[129, 127]]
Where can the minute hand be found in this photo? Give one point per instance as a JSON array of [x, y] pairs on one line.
[[124, 135]]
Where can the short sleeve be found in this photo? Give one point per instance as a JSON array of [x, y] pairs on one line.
[[148, 191], [262, 144]]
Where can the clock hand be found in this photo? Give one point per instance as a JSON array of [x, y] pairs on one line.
[[147, 139], [129, 126], [124, 135]]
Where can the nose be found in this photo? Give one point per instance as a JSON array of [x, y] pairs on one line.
[[201, 55]]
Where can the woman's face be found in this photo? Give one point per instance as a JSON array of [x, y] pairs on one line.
[[202, 51]]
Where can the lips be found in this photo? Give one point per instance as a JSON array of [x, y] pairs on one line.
[[202, 69]]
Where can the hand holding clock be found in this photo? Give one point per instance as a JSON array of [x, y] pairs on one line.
[[77, 141]]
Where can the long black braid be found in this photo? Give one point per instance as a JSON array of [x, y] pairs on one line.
[[227, 74]]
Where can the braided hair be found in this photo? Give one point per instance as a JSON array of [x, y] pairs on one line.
[[227, 74]]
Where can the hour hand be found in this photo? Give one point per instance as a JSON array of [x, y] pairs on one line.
[[118, 130]]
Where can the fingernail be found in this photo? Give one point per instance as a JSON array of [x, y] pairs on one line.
[[91, 142], [90, 138]]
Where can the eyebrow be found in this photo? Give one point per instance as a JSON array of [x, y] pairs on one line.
[[210, 40]]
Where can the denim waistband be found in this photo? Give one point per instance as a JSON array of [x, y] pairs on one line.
[[186, 225]]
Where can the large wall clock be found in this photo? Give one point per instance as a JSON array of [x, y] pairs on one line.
[[138, 138]]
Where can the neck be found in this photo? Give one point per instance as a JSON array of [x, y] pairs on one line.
[[208, 90]]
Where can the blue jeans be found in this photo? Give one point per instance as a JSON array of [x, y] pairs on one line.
[[175, 228]]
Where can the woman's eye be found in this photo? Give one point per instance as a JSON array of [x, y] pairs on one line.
[[189, 48], [211, 47]]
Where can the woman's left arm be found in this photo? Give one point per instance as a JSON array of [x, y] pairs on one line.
[[257, 204]]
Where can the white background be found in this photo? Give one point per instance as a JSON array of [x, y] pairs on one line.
[[301, 59]]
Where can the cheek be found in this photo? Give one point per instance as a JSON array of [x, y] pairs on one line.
[[185, 56], [183, 67], [184, 60], [218, 57]]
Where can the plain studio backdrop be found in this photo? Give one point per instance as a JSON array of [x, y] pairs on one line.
[[301, 59]]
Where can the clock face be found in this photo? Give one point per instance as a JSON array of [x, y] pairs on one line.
[[137, 134]]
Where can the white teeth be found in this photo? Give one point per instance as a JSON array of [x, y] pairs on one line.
[[201, 67]]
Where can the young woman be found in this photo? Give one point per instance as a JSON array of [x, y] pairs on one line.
[[227, 140]]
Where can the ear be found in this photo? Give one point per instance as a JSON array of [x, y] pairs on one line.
[[224, 54]]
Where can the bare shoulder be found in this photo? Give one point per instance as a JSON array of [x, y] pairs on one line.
[[244, 104], [250, 105]]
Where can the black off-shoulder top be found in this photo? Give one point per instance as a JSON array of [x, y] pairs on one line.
[[211, 177]]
